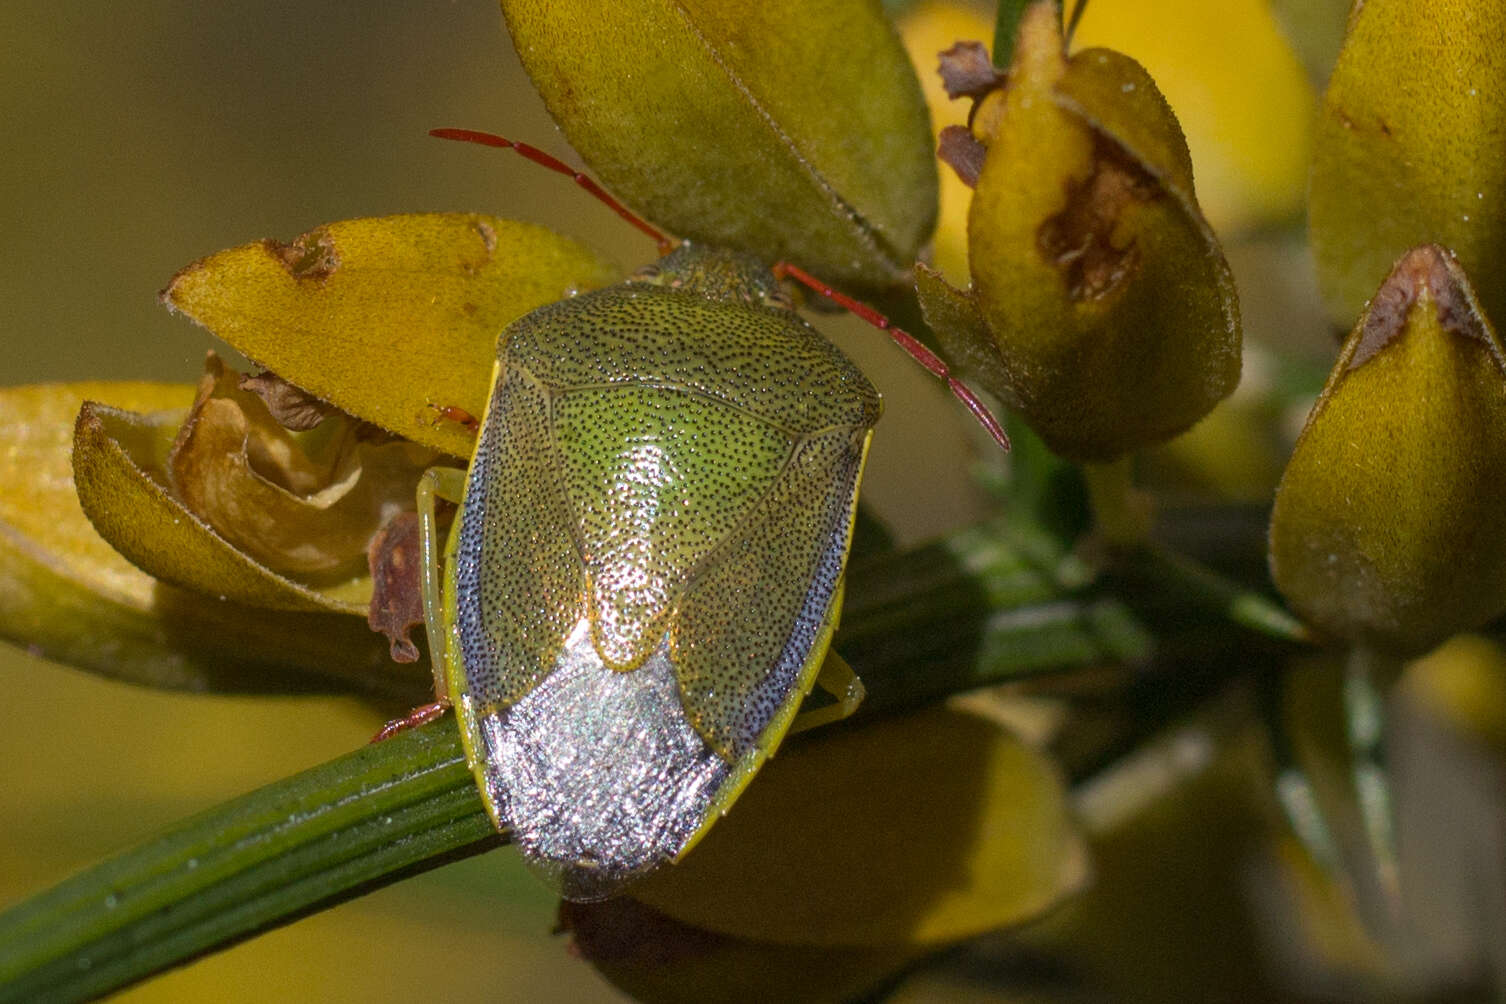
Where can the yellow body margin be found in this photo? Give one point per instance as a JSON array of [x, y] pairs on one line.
[[454, 672], [773, 733]]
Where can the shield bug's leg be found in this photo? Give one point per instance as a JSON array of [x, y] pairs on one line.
[[558, 166], [421, 715], [447, 483], [930, 360], [837, 679]]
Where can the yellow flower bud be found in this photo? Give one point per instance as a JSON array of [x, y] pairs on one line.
[[1110, 313], [1411, 148], [1387, 524]]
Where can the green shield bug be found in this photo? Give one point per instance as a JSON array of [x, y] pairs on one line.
[[643, 578]]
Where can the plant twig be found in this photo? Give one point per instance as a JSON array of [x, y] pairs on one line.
[[330, 833], [980, 607]]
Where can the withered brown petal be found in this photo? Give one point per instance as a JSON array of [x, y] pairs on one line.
[[967, 71], [135, 512], [293, 407], [397, 600], [960, 150], [302, 505], [66, 594]]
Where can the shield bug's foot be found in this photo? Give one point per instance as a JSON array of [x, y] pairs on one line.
[[451, 413], [837, 679], [421, 715]]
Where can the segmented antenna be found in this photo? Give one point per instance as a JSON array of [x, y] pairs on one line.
[[917, 350], [543, 159], [782, 270]]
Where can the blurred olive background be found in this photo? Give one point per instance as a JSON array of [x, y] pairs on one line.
[[142, 137]]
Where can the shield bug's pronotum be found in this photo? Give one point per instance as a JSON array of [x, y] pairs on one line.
[[644, 575]]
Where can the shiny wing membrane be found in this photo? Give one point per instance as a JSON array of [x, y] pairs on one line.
[[643, 566]]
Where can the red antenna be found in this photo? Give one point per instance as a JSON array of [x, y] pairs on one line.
[[543, 159], [782, 270], [930, 360]]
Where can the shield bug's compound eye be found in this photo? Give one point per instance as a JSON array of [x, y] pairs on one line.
[[778, 298]]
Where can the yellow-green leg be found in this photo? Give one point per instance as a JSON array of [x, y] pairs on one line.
[[837, 679], [447, 483]]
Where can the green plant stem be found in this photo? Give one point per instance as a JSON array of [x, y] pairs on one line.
[[1369, 674], [1079, 8], [1007, 27], [1241, 605], [365, 819], [987, 604], [983, 606], [1122, 514]]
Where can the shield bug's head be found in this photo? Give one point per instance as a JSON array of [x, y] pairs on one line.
[[728, 276], [718, 274]]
